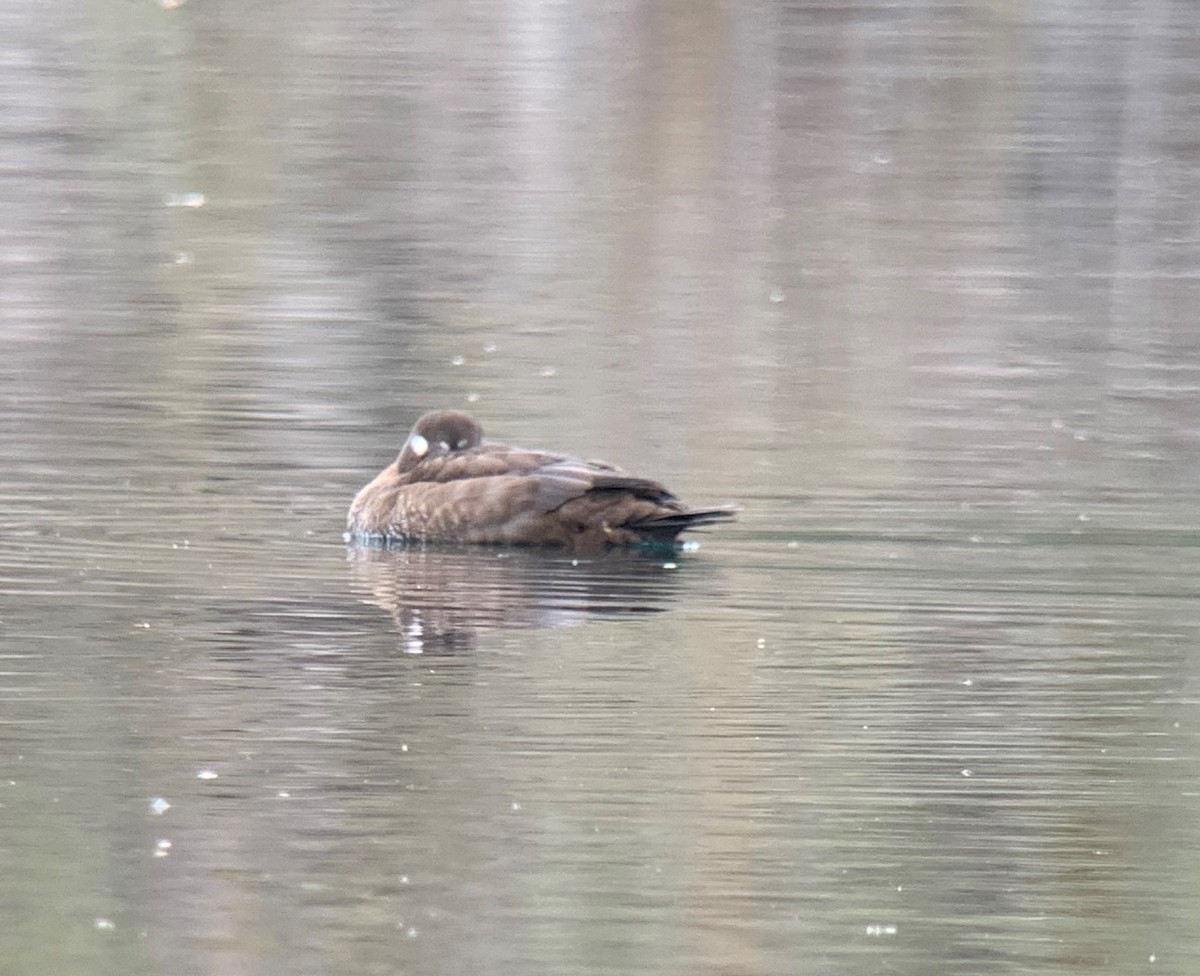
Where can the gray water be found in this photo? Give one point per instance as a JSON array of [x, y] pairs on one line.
[[915, 283]]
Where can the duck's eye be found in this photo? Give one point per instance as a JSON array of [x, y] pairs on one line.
[[420, 446], [444, 446]]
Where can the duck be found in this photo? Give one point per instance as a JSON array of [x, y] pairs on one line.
[[449, 485]]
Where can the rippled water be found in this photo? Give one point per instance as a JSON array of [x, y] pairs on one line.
[[915, 283]]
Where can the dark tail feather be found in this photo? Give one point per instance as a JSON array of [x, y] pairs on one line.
[[664, 528]]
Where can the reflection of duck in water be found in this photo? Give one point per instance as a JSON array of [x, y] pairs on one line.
[[442, 598], [450, 485]]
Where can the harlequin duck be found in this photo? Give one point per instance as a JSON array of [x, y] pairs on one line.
[[450, 485]]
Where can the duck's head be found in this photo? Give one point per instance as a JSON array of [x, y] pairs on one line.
[[437, 434]]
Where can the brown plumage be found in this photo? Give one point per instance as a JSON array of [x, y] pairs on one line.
[[450, 485]]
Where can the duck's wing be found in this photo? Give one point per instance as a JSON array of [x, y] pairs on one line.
[[487, 492], [574, 475], [570, 478]]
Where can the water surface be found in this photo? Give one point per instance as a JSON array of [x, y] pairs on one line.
[[914, 282]]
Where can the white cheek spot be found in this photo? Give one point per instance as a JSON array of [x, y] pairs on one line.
[[420, 446], [443, 445], [462, 442]]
